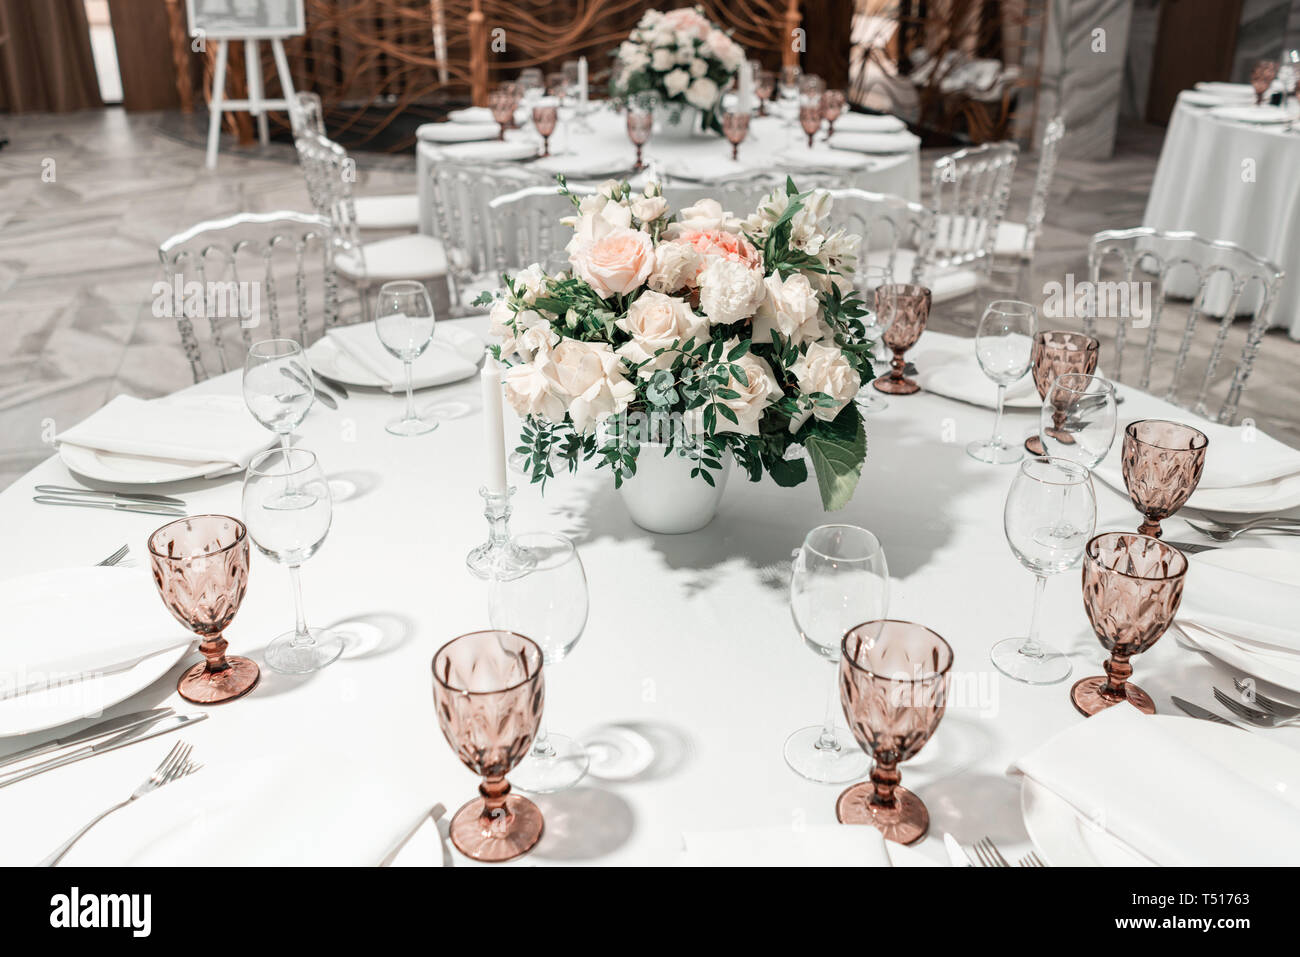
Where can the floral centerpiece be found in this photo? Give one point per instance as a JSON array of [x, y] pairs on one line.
[[697, 332], [681, 58]]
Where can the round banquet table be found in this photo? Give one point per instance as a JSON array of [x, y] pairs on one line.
[[1202, 184], [689, 644], [769, 138]]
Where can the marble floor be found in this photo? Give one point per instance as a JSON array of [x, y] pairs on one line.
[[86, 198]]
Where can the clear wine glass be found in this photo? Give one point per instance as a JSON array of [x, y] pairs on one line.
[[277, 386], [839, 581], [287, 509], [1004, 344], [1050, 514], [404, 321], [867, 280], [1078, 418], [549, 605]]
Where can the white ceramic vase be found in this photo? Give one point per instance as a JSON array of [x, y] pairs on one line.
[[687, 126], [663, 497]]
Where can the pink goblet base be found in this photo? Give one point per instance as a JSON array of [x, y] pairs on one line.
[[1090, 695], [904, 821], [502, 835]]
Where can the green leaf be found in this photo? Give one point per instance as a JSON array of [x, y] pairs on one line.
[[788, 472], [739, 350], [837, 450]]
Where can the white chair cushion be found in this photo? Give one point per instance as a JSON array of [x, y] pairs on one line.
[[944, 284], [401, 257], [1011, 239], [388, 212]]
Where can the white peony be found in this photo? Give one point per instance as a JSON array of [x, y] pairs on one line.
[[754, 396], [791, 308], [676, 265], [589, 375], [655, 322], [703, 94], [676, 82], [824, 369], [729, 291]]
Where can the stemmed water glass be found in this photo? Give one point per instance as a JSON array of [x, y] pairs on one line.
[[1055, 354], [839, 580], [764, 87], [548, 603], [810, 115], [894, 679], [902, 309], [735, 127], [1050, 514], [833, 102], [488, 692], [875, 321], [640, 122], [1004, 345], [1261, 78], [404, 321], [1162, 463], [277, 386], [1078, 418], [288, 510], [200, 566], [1132, 587], [544, 118], [502, 103]]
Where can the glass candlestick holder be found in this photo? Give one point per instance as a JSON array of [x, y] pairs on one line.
[[499, 557]]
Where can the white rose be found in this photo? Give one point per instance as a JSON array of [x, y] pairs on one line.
[[531, 389], [655, 322], [703, 94], [704, 215], [511, 328], [729, 291], [595, 225], [699, 68], [824, 369], [791, 308], [589, 375], [663, 60], [676, 82], [675, 266], [754, 396], [649, 208]]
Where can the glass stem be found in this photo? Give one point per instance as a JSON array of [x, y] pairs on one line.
[[997, 417], [410, 393], [1031, 648], [301, 635], [827, 741]]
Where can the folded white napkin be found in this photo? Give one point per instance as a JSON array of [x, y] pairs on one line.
[[494, 151], [704, 169], [1251, 113], [899, 142], [1236, 455], [297, 809], [868, 123], [586, 163], [839, 846], [184, 428], [1255, 612], [946, 365], [1241, 90], [453, 355], [1165, 799], [819, 157], [457, 132]]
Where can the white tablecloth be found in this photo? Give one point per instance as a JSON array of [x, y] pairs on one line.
[[1233, 181], [689, 646], [768, 137]]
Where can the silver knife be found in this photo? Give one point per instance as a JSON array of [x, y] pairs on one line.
[[323, 396], [139, 508], [956, 856], [1191, 548], [142, 733], [1196, 711], [122, 722], [145, 497]]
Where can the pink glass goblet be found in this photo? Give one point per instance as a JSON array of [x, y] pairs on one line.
[[903, 309], [640, 122], [735, 127], [502, 104], [894, 689], [1162, 463], [200, 565], [544, 118], [833, 102], [1261, 78], [764, 88], [1132, 587], [488, 691], [1057, 354], [810, 115]]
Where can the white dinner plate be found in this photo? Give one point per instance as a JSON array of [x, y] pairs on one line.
[[119, 604], [137, 470], [593, 165], [331, 362], [1064, 839], [1262, 498], [1203, 98], [1268, 115], [1226, 89], [493, 151]]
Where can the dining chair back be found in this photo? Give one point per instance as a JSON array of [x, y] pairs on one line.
[[306, 113], [1134, 272], [969, 193], [897, 234], [1049, 149], [226, 280]]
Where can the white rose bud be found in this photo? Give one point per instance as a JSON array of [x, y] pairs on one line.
[[824, 369]]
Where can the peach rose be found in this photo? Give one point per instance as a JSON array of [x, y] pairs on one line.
[[617, 263], [718, 242], [655, 322], [589, 375]]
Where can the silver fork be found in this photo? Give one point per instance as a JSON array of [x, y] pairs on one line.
[[988, 853], [1229, 532], [1276, 708], [116, 557], [1031, 860], [1256, 717], [176, 765]]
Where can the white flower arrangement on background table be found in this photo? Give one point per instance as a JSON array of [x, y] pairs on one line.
[[698, 330]]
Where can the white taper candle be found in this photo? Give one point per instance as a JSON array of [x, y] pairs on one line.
[[582, 80], [495, 430]]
